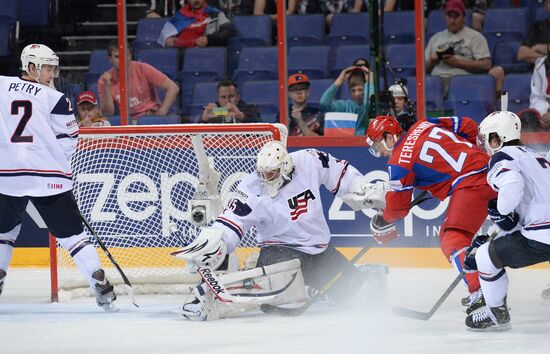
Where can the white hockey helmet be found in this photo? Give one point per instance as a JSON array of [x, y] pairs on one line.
[[506, 125], [39, 55], [399, 90], [274, 166]]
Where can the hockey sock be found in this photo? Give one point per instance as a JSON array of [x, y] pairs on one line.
[[7, 241], [84, 255], [493, 280]]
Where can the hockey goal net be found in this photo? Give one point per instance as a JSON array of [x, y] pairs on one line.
[[133, 183]]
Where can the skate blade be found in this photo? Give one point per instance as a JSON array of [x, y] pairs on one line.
[[499, 328]]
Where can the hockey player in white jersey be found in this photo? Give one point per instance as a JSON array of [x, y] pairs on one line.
[[282, 200], [38, 135], [522, 179]]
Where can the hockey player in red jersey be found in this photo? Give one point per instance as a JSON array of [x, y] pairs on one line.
[[438, 155]]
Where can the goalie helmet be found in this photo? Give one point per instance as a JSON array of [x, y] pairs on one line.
[[398, 91], [377, 130], [506, 125], [39, 55], [274, 166]]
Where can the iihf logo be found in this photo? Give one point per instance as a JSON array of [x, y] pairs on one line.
[[298, 204]]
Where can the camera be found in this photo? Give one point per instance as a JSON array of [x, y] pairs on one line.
[[441, 52], [204, 210]]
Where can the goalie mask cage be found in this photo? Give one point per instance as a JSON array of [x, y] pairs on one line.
[[131, 183]]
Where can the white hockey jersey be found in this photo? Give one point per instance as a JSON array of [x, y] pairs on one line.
[[522, 179], [38, 135], [294, 217]]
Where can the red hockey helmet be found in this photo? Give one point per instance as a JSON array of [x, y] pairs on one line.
[[376, 130]]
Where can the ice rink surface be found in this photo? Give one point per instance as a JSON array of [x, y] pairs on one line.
[[30, 324]]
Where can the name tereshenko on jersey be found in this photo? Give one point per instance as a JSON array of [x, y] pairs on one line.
[[294, 217], [38, 134]]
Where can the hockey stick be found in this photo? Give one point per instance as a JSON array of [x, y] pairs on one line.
[[297, 311], [424, 316], [108, 254]]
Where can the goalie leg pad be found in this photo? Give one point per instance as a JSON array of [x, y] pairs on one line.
[[276, 284]]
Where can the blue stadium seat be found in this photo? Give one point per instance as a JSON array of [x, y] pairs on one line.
[[505, 55], [345, 55], [402, 58], [256, 63], [161, 93], [164, 60], [399, 27], [518, 87], [114, 120], [541, 14], [252, 30], [34, 13], [10, 8], [7, 33], [349, 29], [263, 94], [93, 87], [316, 90], [472, 93], [311, 60], [99, 63], [505, 25], [159, 120], [305, 30], [147, 33], [502, 3], [433, 91], [201, 65], [203, 94], [533, 6]]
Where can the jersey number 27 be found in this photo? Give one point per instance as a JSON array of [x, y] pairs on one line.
[[429, 146]]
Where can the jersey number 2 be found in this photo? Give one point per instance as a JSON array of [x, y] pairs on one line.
[[17, 136], [437, 133]]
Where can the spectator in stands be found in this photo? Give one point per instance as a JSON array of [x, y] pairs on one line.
[[328, 7], [89, 114], [197, 24], [537, 117], [359, 79], [536, 44], [402, 108], [229, 108], [460, 50], [304, 120], [269, 7], [142, 81]]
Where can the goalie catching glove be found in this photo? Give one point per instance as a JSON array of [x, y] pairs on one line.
[[207, 250], [365, 195], [382, 231]]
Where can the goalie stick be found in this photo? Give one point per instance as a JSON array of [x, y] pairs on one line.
[[108, 254], [297, 311], [424, 316]]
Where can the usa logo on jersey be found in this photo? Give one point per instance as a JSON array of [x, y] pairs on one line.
[[298, 204]]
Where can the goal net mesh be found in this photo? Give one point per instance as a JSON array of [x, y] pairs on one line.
[[131, 186]]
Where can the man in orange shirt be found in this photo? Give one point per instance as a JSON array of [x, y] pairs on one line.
[[142, 80]]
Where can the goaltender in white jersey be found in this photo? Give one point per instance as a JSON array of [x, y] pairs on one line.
[[38, 135], [283, 201], [522, 179]]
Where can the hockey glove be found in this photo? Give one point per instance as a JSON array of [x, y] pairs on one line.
[[470, 264], [505, 222], [382, 230]]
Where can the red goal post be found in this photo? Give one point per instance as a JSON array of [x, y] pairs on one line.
[[132, 182]]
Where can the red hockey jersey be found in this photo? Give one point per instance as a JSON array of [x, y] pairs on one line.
[[438, 155]]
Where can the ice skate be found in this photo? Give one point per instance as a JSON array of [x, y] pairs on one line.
[[104, 292], [194, 311], [2, 278], [489, 319], [476, 300]]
